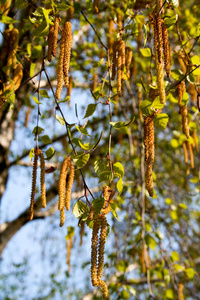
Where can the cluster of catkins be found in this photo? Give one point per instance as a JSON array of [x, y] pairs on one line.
[[98, 241], [65, 52], [161, 43], [38, 153], [64, 189], [122, 57]]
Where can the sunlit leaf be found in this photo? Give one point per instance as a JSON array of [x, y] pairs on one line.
[[81, 160]]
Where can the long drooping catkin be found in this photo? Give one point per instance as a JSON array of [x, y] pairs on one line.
[[42, 178], [33, 188], [166, 49], [114, 63], [94, 251], [50, 43], [110, 37], [128, 60], [62, 182], [69, 186], [60, 66], [183, 109], [149, 179], [67, 51], [120, 65], [149, 140], [102, 240], [158, 44]]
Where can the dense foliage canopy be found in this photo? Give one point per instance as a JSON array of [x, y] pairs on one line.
[[105, 97]]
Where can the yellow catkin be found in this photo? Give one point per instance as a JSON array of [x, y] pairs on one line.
[[149, 179], [42, 179], [182, 63], [27, 117], [62, 216], [50, 43], [149, 140], [139, 101], [192, 91], [60, 66], [180, 291], [104, 288], [70, 12], [67, 51], [183, 109], [114, 63], [69, 186], [191, 155], [69, 89], [55, 36], [108, 194], [158, 44], [110, 36], [185, 152], [128, 60], [94, 251], [69, 242], [102, 240], [94, 81], [91, 213], [96, 4], [166, 49], [82, 231], [33, 188], [62, 182], [120, 65]]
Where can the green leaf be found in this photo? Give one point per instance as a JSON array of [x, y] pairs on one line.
[[195, 60], [150, 241], [20, 4], [42, 29], [82, 130], [70, 232], [65, 100], [81, 160], [118, 169], [172, 98], [175, 256], [46, 140], [117, 125], [177, 74], [194, 179], [98, 63], [32, 69], [106, 176], [99, 167], [7, 20], [90, 110], [77, 7], [174, 215], [37, 130], [161, 120], [185, 99], [98, 204], [120, 186], [97, 143], [113, 210], [174, 143], [169, 294], [44, 94], [36, 100], [60, 120], [49, 153], [156, 103], [144, 34], [80, 209], [146, 52], [171, 21], [84, 146], [190, 273], [145, 107], [183, 205], [31, 154]]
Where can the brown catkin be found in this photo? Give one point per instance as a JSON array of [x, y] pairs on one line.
[[96, 4], [180, 291], [69, 89], [129, 55], [69, 186], [62, 182], [104, 288], [94, 250], [60, 66], [50, 43], [191, 154], [166, 49], [91, 213], [67, 51], [42, 179], [27, 117], [119, 21], [110, 36], [62, 216], [102, 240], [149, 140], [70, 12], [183, 109], [33, 188], [158, 44], [185, 152], [17, 77], [120, 65], [149, 179]]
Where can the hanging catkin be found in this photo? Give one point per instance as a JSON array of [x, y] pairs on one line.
[[69, 186], [67, 51], [60, 66], [183, 109], [69, 89], [158, 44], [120, 65], [62, 182], [94, 251], [50, 43], [149, 179], [149, 139], [114, 63], [110, 36], [166, 49], [42, 178], [33, 188], [102, 240]]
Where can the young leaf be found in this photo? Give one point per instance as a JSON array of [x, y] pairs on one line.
[[84, 146], [81, 160], [146, 52], [113, 210], [185, 99], [177, 74], [171, 21], [145, 107], [36, 100], [117, 125], [98, 204], [44, 94], [46, 140], [60, 120], [144, 34], [82, 130], [106, 176], [90, 110], [118, 169], [20, 4], [37, 130], [99, 167], [49, 153], [65, 100], [156, 103], [161, 121], [80, 209], [120, 186], [31, 154]]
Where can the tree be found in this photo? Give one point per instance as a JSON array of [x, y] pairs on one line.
[[132, 144]]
